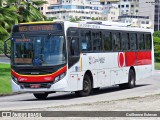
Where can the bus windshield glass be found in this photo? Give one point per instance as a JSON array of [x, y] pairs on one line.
[[39, 50]]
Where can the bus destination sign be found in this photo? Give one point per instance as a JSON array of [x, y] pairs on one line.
[[37, 27]]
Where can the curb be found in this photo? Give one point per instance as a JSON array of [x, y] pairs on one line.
[[9, 94]]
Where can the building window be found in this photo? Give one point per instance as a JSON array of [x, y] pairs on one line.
[[122, 6], [143, 22], [127, 6], [147, 22], [132, 5]]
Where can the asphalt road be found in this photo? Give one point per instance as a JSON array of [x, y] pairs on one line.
[[4, 60], [147, 86]]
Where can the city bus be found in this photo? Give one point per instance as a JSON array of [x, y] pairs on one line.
[[80, 57]]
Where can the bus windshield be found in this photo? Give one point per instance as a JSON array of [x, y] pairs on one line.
[[39, 50]]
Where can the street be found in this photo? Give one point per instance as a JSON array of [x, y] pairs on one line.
[[4, 59], [27, 101]]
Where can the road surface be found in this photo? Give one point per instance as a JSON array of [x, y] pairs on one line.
[[4, 59], [147, 86]]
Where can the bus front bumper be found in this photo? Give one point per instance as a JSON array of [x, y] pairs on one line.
[[59, 86]]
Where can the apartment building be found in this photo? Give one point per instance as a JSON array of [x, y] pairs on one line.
[[128, 7], [110, 12], [137, 21], [135, 12], [157, 16], [81, 9]]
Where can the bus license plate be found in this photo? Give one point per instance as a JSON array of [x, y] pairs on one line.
[[35, 85]]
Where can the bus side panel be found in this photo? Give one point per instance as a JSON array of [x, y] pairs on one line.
[[75, 77], [106, 62], [144, 64], [90, 62]]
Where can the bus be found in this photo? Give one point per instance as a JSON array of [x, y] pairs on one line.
[[80, 57]]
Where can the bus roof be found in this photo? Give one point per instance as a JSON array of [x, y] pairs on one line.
[[39, 22], [108, 26], [95, 25]]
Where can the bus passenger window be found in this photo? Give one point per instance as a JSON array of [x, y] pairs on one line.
[[148, 41], [86, 43], [116, 41], [107, 41], [132, 37], [141, 43], [97, 41], [125, 41]]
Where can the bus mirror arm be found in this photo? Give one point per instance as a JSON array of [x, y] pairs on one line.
[[6, 50]]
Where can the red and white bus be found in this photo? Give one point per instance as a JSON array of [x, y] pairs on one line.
[[78, 57]]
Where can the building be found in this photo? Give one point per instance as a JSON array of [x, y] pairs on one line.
[[77, 9], [110, 12], [157, 16], [128, 7], [146, 8], [136, 21]]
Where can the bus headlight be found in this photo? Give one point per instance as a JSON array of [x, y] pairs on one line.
[[58, 78], [14, 79]]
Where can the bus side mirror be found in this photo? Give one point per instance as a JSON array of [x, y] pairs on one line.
[[6, 49]]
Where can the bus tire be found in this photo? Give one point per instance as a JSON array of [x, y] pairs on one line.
[[87, 87], [131, 81], [40, 96]]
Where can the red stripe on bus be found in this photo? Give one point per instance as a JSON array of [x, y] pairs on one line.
[[130, 58], [39, 78], [144, 58], [138, 58]]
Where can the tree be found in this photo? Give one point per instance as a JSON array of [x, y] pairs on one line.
[[156, 36], [16, 11], [8, 17], [74, 19]]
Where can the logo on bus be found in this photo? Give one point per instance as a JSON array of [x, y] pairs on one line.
[[121, 59], [20, 79], [93, 60]]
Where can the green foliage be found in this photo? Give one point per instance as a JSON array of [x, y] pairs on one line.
[[94, 18], [5, 84], [157, 66], [74, 19], [156, 36], [17, 11]]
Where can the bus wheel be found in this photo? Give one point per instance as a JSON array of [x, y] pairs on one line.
[[131, 81], [87, 87], [40, 96]]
